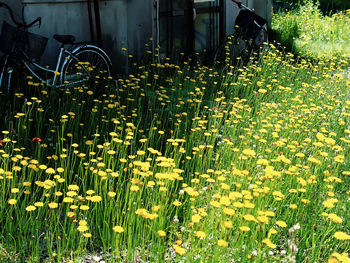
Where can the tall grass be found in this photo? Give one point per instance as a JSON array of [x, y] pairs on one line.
[[177, 164]]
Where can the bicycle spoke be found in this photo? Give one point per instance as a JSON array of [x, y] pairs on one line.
[[93, 69]]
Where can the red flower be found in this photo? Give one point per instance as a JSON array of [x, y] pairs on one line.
[[36, 139], [1, 142]]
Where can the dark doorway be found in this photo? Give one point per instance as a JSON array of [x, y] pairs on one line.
[[189, 26]]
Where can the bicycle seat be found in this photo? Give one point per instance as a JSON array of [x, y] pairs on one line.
[[64, 39]]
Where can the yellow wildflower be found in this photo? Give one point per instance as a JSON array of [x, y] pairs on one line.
[[200, 234], [222, 243], [118, 229]]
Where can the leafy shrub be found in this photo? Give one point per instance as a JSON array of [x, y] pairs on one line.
[[306, 31], [326, 6]]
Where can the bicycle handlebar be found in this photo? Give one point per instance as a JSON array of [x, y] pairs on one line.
[[20, 25], [240, 5], [38, 19], [10, 12]]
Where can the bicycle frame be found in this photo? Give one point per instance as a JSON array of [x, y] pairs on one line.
[[51, 82], [47, 82], [58, 69], [30, 65], [3, 72]]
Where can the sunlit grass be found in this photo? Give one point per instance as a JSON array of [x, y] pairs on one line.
[[182, 164], [310, 34]]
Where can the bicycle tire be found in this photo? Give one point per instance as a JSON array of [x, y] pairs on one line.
[[3, 74], [4, 88], [260, 44], [230, 50], [87, 65], [262, 38], [13, 79]]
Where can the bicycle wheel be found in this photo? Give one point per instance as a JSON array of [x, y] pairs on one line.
[[5, 87], [260, 44], [262, 38], [229, 51], [88, 66]]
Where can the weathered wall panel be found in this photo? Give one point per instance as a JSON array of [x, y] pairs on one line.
[[71, 17], [125, 23], [15, 5]]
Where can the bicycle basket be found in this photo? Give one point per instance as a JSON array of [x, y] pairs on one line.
[[13, 39], [249, 23]]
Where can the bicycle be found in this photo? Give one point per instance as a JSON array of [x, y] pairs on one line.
[[83, 62], [249, 37]]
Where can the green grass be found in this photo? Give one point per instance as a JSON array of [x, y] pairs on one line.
[[181, 164], [312, 35], [326, 6]]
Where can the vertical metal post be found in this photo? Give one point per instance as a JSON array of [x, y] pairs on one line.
[[211, 24], [189, 23], [154, 27], [222, 15], [91, 22], [158, 32], [98, 22], [54, 81], [171, 25]]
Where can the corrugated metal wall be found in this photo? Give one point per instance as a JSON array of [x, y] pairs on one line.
[[123, 23], [15, 5]]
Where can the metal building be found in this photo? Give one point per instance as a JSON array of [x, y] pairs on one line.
[[175, 25]]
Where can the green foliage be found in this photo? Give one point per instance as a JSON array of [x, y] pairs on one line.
[[326, 6], [306, 31]]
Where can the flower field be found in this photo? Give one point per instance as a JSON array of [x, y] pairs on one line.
[[180, 164]]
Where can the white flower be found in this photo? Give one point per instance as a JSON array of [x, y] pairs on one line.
[[96, 258], [296, 227]]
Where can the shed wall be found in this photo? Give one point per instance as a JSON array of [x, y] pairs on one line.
[[124, 23], [15, 5]]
